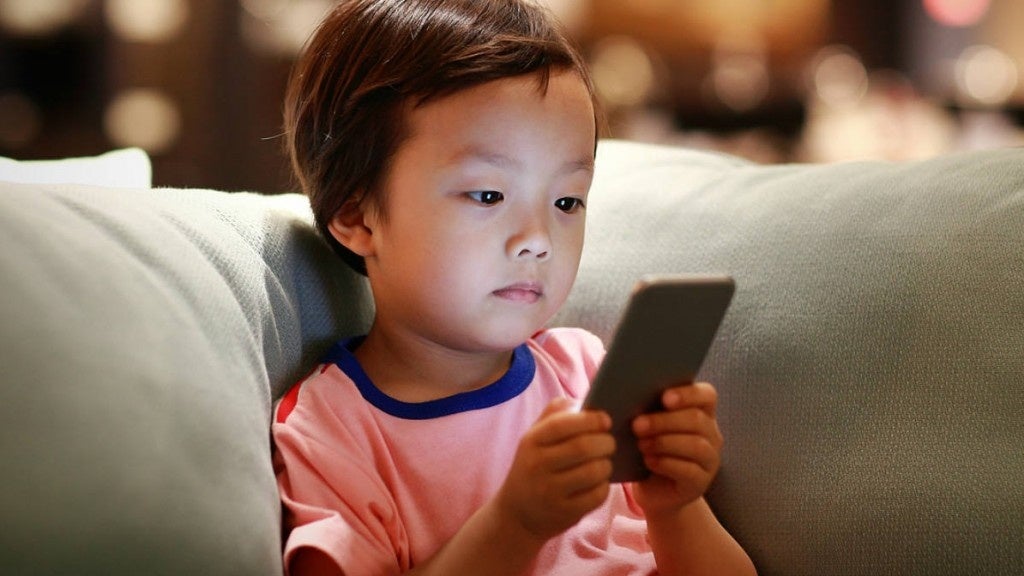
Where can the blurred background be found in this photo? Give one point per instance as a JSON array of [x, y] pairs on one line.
[[199, 83]]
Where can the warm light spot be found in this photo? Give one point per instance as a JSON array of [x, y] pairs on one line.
[[147, 20], [986, 75], [279, 26], [571, 13], [623, 73], [957, 13], [145, 118], [20, 120], [38, 17], [837, 76], [264, 9], [740, 78]]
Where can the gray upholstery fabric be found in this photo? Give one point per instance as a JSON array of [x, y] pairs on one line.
[[143, 334], [871, 369]]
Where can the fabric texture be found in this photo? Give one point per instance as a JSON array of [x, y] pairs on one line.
[[380, 485], [126, 168], [870, 367], [142, 336]]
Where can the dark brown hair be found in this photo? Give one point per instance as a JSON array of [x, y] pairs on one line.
[[370, 59]]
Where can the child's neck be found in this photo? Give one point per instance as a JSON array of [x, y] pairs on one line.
[[414, 370]]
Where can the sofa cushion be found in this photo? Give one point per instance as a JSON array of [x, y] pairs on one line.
[[144, 335], [871, 369], [126, 168]]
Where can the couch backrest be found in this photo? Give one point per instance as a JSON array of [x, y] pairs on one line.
[[871, 369], [143, 334]]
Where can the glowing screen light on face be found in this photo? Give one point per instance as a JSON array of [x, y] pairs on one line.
[[957, 13]]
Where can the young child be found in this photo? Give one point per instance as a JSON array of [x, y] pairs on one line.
[[447, 148]]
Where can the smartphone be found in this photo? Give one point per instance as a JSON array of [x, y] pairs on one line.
[[660, 342]]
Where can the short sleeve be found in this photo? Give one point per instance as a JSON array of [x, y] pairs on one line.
[[573, 354], [333, 499]]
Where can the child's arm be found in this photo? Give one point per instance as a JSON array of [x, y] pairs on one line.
[[682, 447], [560, 473]]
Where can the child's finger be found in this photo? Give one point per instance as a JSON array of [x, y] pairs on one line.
[[686, 421], [591, 498], [584, 477], [679, 470], [698, 395], [696, 449], [579, 450], [558, 426]]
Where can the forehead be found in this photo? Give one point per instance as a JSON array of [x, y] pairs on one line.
[[498, 121]]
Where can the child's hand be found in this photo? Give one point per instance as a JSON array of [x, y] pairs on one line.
[[682, 448], [560, 472]]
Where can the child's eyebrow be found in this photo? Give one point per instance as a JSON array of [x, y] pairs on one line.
[[584, 164]]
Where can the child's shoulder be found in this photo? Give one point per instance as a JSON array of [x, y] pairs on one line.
[[568, 338], [568, 350], [327, 386], [283, 408]]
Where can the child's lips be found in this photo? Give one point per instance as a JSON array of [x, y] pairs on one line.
[[525, 292]]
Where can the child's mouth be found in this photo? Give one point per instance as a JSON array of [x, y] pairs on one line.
[[525, 292]]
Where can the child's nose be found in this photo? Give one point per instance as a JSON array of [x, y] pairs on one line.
[[531, 242]]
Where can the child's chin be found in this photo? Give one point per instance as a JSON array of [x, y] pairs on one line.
[[509, 338], [508, 330]]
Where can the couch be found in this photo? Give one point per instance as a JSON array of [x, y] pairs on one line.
[[871, 368]]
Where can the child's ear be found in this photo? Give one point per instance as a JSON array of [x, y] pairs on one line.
[[350, 228]]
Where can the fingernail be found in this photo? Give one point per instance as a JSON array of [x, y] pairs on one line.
[[671, 399], [641, 425]]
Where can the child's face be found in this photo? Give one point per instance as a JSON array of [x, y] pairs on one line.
[[483, 217]]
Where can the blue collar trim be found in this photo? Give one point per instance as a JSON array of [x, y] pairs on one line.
[[511, 384]]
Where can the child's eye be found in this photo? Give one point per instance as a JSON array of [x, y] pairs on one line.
[[569, 204], [487, 197]]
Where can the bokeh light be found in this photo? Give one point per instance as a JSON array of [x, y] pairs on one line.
[[150, 21], [623, 72], [39, 17], [264, 9], [280, 26], [143, 117], [986, 76], [837, 76], [740, 77], [957, 13], [571, 13]]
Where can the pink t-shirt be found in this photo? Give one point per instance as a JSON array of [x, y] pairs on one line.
[[380, 485]]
